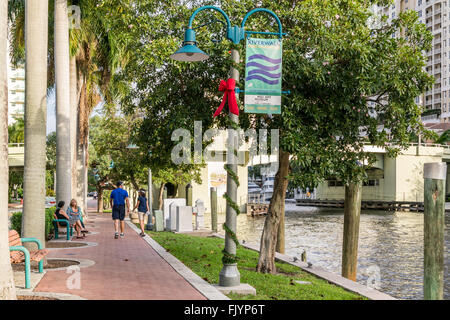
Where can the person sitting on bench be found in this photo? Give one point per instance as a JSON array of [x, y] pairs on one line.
[[61, 215], [74, 213]]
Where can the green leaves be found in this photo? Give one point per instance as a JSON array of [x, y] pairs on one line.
[[348, 71]]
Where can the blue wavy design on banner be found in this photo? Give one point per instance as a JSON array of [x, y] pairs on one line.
[[268, 74], [257, 77], [262, 70], [263, 57], [263, 67]]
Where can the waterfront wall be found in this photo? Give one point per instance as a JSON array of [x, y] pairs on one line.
[[395, 179]]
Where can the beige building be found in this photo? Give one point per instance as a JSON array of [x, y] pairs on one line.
[[392, 179]]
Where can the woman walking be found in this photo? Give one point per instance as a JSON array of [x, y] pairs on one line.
[[74, 213], [142, 206]]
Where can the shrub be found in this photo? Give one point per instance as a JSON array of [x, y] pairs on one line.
[[16, 221]]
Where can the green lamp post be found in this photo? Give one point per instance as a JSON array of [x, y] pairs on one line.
[[229, 275]]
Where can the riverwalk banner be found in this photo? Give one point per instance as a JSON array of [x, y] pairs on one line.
[[263, 67]]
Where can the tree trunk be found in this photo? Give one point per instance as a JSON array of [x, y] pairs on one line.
[[74, 142], [36, 38], [352, 211], [266, 262], [7, 288], [99, 200], [161, 192], [63, 103], [281, 233]]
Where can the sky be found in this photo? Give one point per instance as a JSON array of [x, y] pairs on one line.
[[51, 112]]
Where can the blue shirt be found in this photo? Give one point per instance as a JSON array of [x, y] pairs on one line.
[[142, 204], [118, 195]]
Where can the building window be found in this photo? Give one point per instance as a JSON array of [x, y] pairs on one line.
[[335, 183], [419, 3], [371, 183]]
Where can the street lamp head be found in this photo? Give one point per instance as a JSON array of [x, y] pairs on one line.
[[189, 51], [132, 146]]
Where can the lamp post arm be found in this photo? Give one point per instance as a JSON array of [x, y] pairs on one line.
[[191, 19], [280, 28]]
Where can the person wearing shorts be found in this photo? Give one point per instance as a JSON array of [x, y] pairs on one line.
[[142, 206], [118, 198]]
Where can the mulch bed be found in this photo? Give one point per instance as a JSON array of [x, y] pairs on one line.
[[51, 264], [64, 244]]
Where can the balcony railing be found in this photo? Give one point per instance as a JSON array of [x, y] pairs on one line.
[[18, 74]]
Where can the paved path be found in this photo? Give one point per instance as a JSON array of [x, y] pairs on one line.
[[125, 268]]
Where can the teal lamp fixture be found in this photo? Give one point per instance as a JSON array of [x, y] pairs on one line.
[[189, 51], [229, 276]]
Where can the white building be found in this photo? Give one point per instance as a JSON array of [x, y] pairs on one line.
[[16, 91], [435, 15]]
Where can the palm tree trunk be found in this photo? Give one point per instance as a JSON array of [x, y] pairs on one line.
[[73, 130], [62, 84], [7, 288], [36, 49]]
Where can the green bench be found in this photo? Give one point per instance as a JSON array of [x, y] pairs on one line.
[[68, 227], [18, 254]]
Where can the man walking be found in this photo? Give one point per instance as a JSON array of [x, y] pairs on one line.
[[117, 201]]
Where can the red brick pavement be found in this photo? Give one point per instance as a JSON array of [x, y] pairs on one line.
[[127, 269]]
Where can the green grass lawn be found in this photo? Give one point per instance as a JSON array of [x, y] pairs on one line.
[[203, 256]]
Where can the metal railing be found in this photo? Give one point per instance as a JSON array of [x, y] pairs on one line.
[[16, 145]]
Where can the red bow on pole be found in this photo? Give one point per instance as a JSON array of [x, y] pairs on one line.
[[228, 88]]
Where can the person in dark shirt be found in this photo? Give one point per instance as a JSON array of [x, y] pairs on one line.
[[117, 200], [142, 206], [61, 215]]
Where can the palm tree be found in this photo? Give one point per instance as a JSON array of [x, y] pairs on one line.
[[443, 138], [96, 57], [36, 31], [63, 114], [16, 131], [7, 288]]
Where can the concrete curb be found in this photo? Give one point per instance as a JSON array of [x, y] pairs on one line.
[[59, 296], [326, 275], [206, 289]]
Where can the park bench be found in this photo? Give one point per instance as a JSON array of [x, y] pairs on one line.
[[68, 227], [69, 232], [18, 254]]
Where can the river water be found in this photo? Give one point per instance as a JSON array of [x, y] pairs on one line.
[[390, 252]]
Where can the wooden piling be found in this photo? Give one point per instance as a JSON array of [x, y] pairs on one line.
[[214, 209], [352, 211], [434, 215], [189, 195]]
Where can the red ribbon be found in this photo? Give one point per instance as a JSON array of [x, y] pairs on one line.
[[228, 88]]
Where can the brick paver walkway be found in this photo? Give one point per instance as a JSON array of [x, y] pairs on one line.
[[125, 268]]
